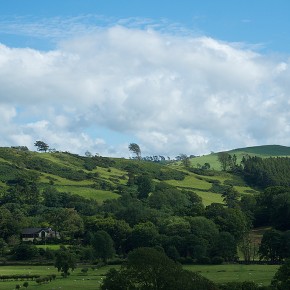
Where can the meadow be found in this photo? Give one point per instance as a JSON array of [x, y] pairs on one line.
[[77, 280], [260, 274]]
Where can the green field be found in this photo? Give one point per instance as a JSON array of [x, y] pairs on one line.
[[96, 194], [76, 280], [261, 274], [260, 151]]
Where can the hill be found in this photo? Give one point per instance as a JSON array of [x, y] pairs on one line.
[[101, 178], [189, 212], [264, 151]]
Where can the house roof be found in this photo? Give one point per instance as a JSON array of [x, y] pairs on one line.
[[30, 231]]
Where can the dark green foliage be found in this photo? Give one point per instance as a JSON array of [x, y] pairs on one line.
[[155, 170], [281, 280], [65, 220], [172, 253], [241, 286], [144, 186], [231, 197], [267, 172], [90, 163], [224, 159], [135, 148], [151, 269], [53, 198], [85, 270], [41, 146], [217, 187], [217, 260], [274, 246], [23, 190], [11, 221], [104, 162], [248, 205], [116, 280], [143, 235], [202, 171], [119, 230], [25, 252], [8, 171], [44, 165], [172, 200], [231, 220], [65, 260], [17, 277], [46, 279], [103, 245], [273, 207], [270, 150], [225, 247], [25, 284], [170, 174], [185, 160]]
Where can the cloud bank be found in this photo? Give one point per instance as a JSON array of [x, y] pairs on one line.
[[171, 94]]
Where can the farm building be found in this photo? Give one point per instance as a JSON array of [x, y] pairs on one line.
[[38, 234]]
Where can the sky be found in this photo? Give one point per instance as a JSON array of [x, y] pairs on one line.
[[176, 77]]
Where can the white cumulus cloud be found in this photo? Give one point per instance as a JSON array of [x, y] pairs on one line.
[[173, 94]]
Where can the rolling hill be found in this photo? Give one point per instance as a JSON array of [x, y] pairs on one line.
[[100, 178], [264, 151]]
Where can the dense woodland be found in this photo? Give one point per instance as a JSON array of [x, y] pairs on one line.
[[149, 213]]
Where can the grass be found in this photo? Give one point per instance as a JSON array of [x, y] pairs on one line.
[[212, 159], [48, 246], [260, 151], [260, 274], [75, 281], [190, 181], [245, 190], [96, 194], [209, 197], [266, 150]]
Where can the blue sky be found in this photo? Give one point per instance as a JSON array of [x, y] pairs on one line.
[[174, 76]]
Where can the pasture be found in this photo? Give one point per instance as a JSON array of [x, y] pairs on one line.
[[77, 280], [260, 274]]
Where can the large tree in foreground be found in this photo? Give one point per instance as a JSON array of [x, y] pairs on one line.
[[281, 280], [133, 147], [150, 269]]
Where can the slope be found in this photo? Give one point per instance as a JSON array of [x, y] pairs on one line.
[[100, 178], [264, 151]]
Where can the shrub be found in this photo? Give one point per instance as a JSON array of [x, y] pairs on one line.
[[85, 270], [25, 252], [204, 261], [217, 260]]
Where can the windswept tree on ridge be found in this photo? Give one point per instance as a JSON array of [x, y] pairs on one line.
[[41, 146], [133, 147]]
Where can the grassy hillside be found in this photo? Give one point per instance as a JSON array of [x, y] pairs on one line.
[[265, 150], [99, 178], [260, 151]]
